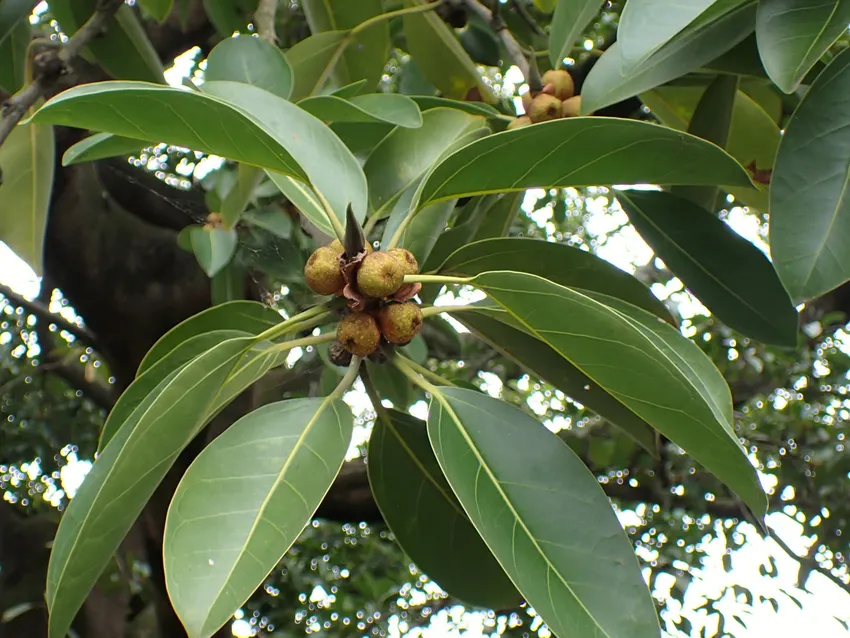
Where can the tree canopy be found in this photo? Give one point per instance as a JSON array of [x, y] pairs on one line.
[[368, 318]]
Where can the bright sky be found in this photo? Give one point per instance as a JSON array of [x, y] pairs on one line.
[[820, 602]]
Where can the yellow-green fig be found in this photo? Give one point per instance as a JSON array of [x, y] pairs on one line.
[[407, 260], [322, 271], [571, 107], [544, 107], [400, 322], [380, 275], [358, 334], [561, 81], [522, 120], [526, 101]]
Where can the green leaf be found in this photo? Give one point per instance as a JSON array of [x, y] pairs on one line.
[[368, 53], [350, 90], [229, 119], [231, 15], [642, 361], [794, 34], [432, 528], [733, 278], [123, 50], [27, 165], [569, 21], [213, 248], [559, 263], [646, 25], [716, 31], [305, 200], [543, 515], [711, 121], [440, 56], [158, 9], [809, 208], [12, 12], [243, 502], [581, 151], [427, 102], [250, 60], [272, 219], [373, 107], [310, 58], [506, 336], [240, 194], [228, 284], [13, 57], [482, 45], [405, 155], [100, 146], [125, 476], [500, 216], [249, 316]]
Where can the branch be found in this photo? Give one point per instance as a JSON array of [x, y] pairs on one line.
[[501, 29], [41, 311], [52, 63], [808, 565], [264, 18]]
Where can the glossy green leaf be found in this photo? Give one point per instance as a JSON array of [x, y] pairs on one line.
[[569, 21], [718, 30], [27, 165], [123, 50], [251, 61], [229, 119], [500, 216], [213, 248], [794, 34], [646, 25], [432, 528], [427, 102], [369, 51], [642, 361], [543, 515], [100, 146], [13, 57], [230, 16], [12, 12], [809, 207], [497, 328], [373, 107], [272, 219], [560, 263], [482, 45], [350, 90], [467, 222], [711, 121], [249, 316], [305, 200], [440, 56], [310, 58], [581, 151], [158, 9], [243, 502], [405, 155], [733, 278], [125, 476], [240, 194], [391, 385]]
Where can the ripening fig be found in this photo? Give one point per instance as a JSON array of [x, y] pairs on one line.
[[544, 107], [522, 120], [571, 107], [562, 83], [322, 271], [526, 101], [380, 275], [400, 322], [358, 334], [407, 260]]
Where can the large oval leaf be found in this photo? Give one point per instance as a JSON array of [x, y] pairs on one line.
[[716, 31], [27, 165], [809, 207], [544, 516], [125, 476], [243, 502], [569, 21], [100, 146], [733, 278], [373, 107], [251, 61], [229, 119], [431, 528], [213, 248], [642, 361], [310, 59], [581, 151], [794, 34], [563, 264]]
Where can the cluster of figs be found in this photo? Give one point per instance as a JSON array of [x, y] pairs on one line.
[[380, 306], [556, 99]]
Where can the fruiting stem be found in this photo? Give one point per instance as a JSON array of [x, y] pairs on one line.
[[435, 279], [431, 311], [306, 341], [350, 375], [425, 372], [403, 367], [339, 230], [316, 313], [372, 393]]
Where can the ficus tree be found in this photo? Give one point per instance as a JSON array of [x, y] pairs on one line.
[[381, 129]]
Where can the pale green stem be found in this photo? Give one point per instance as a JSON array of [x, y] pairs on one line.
[[435, 279], [399, 232], [339, 229], [294, 323], [432, 311], [370, 225], [410, 373], [425, 372], [348, 379]]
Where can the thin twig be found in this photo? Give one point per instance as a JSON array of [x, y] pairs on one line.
[[41, 311], [526, 17], [51, 64], [808, 563], [514, 49], [264, 19]]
